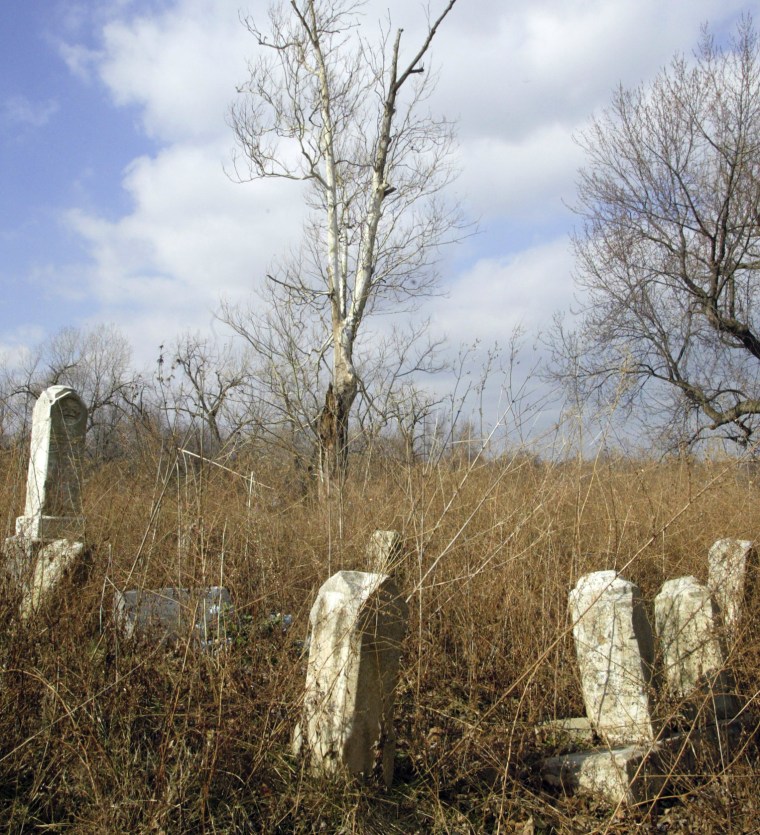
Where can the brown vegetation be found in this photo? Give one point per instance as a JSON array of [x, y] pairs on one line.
[[104, 735]]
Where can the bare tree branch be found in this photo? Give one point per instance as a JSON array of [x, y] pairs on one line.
[[668, 253]]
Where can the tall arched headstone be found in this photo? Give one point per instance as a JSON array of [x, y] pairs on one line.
[[384, 551], [49, 535], [732, 564], [53, 508], [692, 657]]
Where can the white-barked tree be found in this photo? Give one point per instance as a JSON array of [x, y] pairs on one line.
[[350, 116]]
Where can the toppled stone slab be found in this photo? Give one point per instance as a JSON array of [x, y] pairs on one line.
[[358, 622], [275, 623], [692, 658], [617, 776], [731, 566], [174, 614], [576, 732], [641, 773], [615, 650]]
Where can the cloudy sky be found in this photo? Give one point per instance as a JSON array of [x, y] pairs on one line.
[[115, 206]]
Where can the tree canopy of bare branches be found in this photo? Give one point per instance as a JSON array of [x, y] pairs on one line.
[[669, 251], [96, 362], [325, 105]]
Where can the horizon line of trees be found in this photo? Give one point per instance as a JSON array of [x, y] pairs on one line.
[[666, 336], [212, 400]]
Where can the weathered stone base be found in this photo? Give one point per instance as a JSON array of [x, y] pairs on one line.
[[617, 776], [54, 560], [172, 614], [19, 557], [48, 528], [641, 773]]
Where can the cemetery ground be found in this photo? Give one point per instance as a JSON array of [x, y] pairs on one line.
[[104, 734]]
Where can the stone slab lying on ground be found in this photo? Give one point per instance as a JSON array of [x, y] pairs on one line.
[[174, 613], [576, 732], [641, 773], [693, 662], [358, 622], [731, 566], [615, 776], [615, 651]]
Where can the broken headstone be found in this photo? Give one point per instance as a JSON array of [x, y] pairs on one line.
[[615, 650], [358, 622]]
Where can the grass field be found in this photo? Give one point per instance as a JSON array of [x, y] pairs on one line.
[[104, 735]]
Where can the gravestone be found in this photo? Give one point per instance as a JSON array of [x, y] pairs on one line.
[[685, 623], [48, 541], [732, 564], [639, 774], [174, 614], [615, 654], [615, 651], [384, 552], [358, 622], [53, 508], [52, 562]]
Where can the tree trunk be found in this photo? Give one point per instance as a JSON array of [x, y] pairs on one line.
[[332, 429]]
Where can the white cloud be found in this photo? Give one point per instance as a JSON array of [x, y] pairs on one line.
[[19, 111], [497, 296], [192, 236], [17, 346], [520, 77], [528, 178], [507, 69], [179, 67], [80, 60]]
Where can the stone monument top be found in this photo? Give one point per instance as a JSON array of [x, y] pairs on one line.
[[53, 508]]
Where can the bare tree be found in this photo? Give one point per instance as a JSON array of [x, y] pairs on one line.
[[291, 346], [287, 366], [210, 386], [96, 362], [324, 106], [669, 252], [392, 396]]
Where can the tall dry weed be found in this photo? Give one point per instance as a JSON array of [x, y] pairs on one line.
[[100, 734]]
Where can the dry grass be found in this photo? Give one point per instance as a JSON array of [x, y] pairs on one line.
[[101, 735]]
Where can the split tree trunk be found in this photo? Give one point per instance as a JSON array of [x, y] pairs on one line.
[[332, 429]]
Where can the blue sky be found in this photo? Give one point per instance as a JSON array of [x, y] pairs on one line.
[[63, 145], [115, 206]]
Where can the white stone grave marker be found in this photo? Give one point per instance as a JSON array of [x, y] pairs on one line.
[[48, 536], [358, 622], [685, 623], [730, 561], [53, 507], [384, 552], [615, 650]]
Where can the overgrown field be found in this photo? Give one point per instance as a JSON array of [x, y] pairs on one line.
[[104, 735]]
